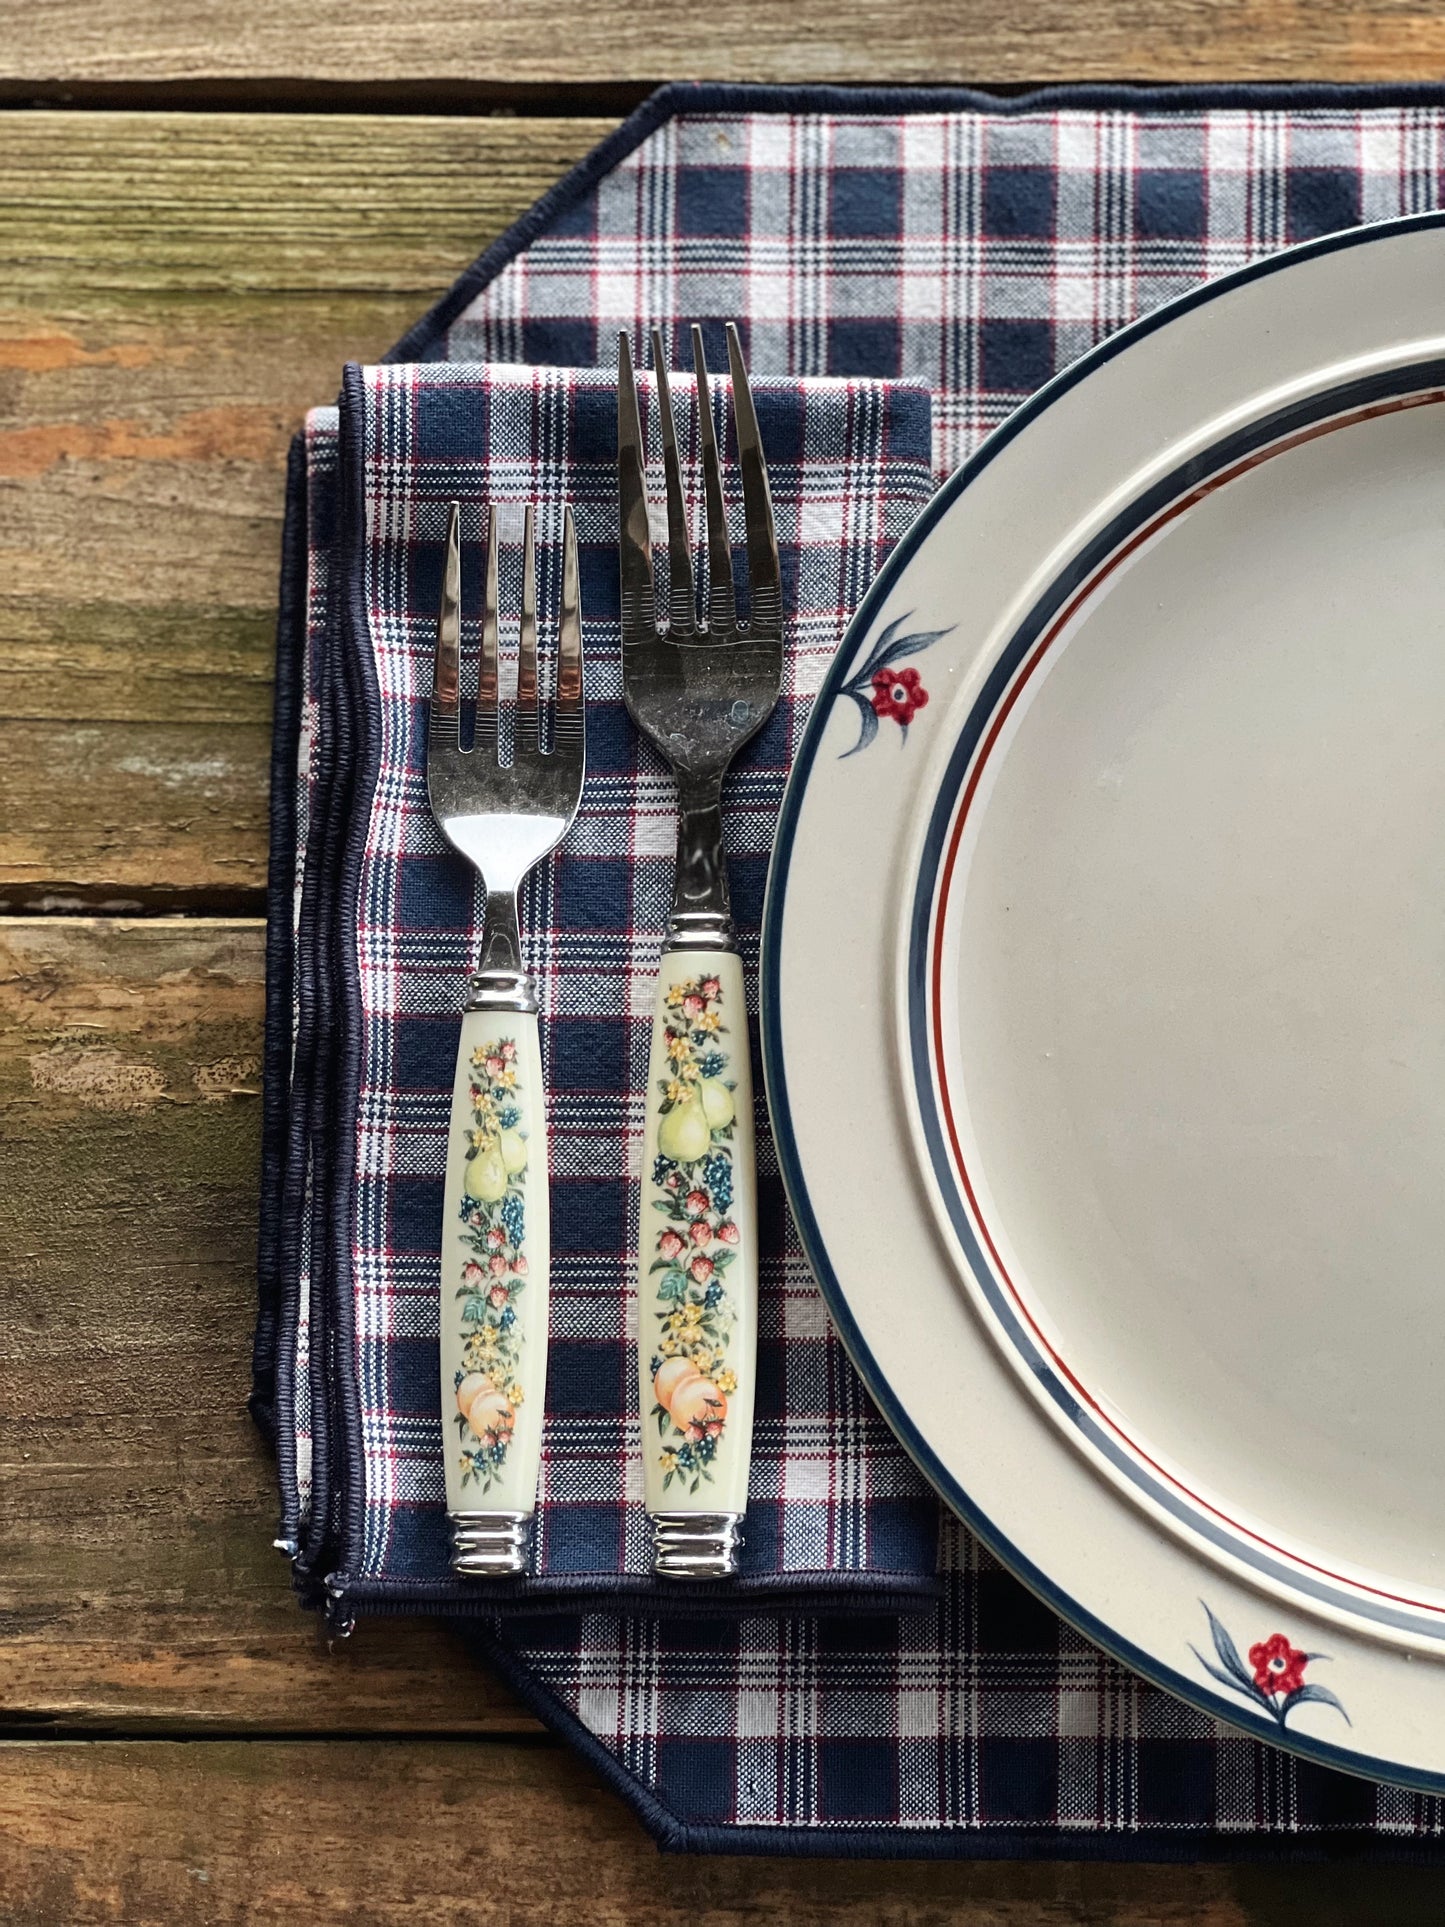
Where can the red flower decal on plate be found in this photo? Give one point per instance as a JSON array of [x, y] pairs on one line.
[[880, 686], [1273, 1681], [1278, 1666], [898, 693]]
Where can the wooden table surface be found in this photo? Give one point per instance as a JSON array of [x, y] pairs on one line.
[[203, 211]]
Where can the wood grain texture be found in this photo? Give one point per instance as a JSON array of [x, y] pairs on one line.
[[517, 41], [138, 1585], [175, 291], [503, 1835]]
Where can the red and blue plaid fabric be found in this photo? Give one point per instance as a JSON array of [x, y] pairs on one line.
[[835, 1511], [977, 252], [974, 247]]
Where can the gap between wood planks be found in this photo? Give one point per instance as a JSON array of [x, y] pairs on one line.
[[222, 94]]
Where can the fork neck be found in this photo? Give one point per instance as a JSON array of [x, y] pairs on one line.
[[702, 917], [501, 982]]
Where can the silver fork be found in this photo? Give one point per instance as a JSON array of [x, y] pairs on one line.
[[495, 1246], [697, 691]]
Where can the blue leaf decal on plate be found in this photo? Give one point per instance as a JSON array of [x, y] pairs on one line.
[[1229, 1653], [1321, 1695], [869, 727], [1218, 1672], [908, 646], [876, 653]]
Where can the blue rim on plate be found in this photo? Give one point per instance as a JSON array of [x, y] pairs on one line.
[[955, 1495]]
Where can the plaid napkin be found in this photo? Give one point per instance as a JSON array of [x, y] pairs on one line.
[[384, 923]]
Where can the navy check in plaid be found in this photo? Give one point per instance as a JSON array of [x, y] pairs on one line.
[[975, 247], [835, 1510]]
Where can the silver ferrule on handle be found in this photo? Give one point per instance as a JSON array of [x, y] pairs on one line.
[[490, 1544], [501, 982], [702, 917], [696, 1545]]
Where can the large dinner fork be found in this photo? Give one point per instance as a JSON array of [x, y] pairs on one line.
[[495, 1243], [697, 691]]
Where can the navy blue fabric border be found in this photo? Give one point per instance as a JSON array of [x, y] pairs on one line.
[[423, 342], [313, 1074], [777, 1596], [365, 760]]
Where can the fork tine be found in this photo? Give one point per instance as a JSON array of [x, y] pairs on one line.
[[635, 548], [764, 575], [568, 732], [721, 610], [682, 591], [526, 737], [444, 715], [485, 734]]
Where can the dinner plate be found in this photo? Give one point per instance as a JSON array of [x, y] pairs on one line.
[[1104, 996]]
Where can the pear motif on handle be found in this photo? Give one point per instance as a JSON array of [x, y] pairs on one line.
[[717, 1103], [486, 1178], [684, 1134], [514, 1152]]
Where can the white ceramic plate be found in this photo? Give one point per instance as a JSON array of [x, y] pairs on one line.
[[1104, 996]]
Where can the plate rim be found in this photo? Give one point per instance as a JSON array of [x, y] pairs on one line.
[[944, 1483]]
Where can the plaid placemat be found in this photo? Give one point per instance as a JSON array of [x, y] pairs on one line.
[[976, 246], [385, 925], [982, 1728]]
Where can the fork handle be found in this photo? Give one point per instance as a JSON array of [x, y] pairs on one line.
[[495, 1256], [698, 1267]]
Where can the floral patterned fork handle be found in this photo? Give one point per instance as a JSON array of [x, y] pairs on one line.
[[495, 1257], [698, 1259], [698, 691]]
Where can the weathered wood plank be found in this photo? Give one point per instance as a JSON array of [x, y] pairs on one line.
[[517, 41], [221, 1832], [138, 1584], [117, 817], [175, 291], [278, 204]]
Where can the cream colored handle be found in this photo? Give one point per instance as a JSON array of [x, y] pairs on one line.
[[698, 1242], [495, 1268]]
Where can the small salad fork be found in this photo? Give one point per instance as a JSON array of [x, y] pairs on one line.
[[698, 691], [495, 1244]]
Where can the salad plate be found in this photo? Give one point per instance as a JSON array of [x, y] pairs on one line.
[[1107, 911]]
